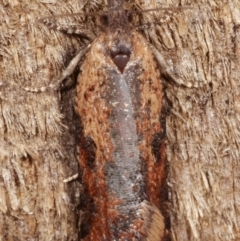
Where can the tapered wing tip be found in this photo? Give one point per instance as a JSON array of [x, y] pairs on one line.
[[153, 227]]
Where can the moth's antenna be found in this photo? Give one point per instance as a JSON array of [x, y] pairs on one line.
[[94, 14], [162, 9], [112, 4]]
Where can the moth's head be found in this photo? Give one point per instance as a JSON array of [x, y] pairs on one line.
[[117, 19]]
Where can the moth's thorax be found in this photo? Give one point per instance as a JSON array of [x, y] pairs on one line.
[[118, 48]]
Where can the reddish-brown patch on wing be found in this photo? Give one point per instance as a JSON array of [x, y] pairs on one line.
[[152, 130], [94, 116]]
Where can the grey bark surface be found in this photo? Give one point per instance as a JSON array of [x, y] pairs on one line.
[[39, 131]]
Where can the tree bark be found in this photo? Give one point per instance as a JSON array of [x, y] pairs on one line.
[[39, 131]]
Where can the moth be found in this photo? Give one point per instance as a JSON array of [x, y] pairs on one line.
[[122, 143]]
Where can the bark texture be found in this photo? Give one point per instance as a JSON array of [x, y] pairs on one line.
[[38, 131]]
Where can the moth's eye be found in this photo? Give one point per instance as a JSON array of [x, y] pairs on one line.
[[104, 19], [129, 16]]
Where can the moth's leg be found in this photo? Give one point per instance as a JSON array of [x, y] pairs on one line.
[[68, 29], [72, 178], [166, 71], [70, 68], [67, 72]]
